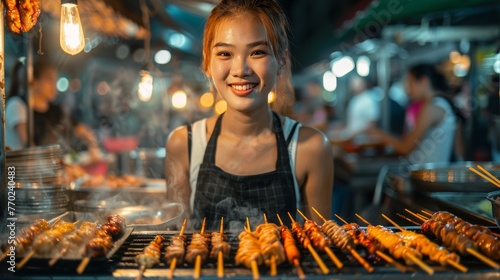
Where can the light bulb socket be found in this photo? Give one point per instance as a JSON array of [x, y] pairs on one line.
[[69, 2]]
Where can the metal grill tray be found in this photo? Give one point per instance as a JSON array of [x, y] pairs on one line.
[[68, 264], [124, 259]]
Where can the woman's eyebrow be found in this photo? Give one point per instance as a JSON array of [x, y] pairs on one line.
[[251, 45]]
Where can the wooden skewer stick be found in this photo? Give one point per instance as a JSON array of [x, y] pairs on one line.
[[474, 253], [173, 264], [426, 213], [416, 215], [25, 259], [450, 262], [220, 255], [317, 258], [327, 250], [141, 271], [413, 258], [408, 219], [484, 176], [483, 258], [351, 250], [295, 262], [488, 173], [340, 218], [255, 267], [382, 255], [197, 262]]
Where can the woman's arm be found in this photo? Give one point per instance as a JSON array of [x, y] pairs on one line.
[[22, 131], [428, 116], [314, 166], [177, 168]]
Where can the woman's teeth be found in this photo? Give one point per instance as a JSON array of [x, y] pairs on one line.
[[243, 87]]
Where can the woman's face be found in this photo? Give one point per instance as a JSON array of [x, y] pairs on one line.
[[45, 85], [414, 87], [243, 66]]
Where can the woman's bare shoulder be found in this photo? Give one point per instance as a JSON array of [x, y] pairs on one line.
[[313, 140], [177, 142]]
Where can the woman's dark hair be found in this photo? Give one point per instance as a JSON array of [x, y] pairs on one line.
[[437, 79], [18, 78]]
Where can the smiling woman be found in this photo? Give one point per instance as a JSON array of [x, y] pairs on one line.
[[256, 161]]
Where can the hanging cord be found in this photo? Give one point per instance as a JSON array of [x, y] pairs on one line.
[[147, 39], [40, 51]]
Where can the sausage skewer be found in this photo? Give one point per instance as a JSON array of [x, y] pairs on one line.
[[453, 239], [482, 236], [429, 248], [291, 250], [304, 240], [339, 236], [150, 256], [220, 248], [45, 242], [176, 250], [248, 252], [372, 246], [74, 240], [395, 245]]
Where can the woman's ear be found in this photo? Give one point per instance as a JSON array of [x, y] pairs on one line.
[[282, 61]]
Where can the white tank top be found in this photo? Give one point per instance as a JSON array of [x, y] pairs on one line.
[[437, 143], [199, 144]]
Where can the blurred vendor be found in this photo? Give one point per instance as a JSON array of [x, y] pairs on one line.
[[51, 124], [430, 137]]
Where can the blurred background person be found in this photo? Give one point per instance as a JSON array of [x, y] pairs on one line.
[[430, 120], [362, 112], [51, 123]]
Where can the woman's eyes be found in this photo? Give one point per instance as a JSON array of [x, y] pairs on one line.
[[259, 52], [253, 53]]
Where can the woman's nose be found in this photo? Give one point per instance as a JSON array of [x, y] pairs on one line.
[[240, 68]]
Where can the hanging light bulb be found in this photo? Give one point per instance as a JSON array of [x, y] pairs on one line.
[[145, 91], [71, 32]]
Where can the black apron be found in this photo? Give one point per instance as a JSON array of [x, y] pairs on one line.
[[220, 194]]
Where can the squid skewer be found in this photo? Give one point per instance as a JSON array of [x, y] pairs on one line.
[[291, 250], [394, 244], [427, 247], [270, 245], [339, 236], [248, 252], [371, 245], [305, 241], [150, 256]]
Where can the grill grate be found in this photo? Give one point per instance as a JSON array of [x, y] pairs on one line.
[[137, 241]]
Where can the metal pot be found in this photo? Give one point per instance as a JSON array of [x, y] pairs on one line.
[[451, 177]]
